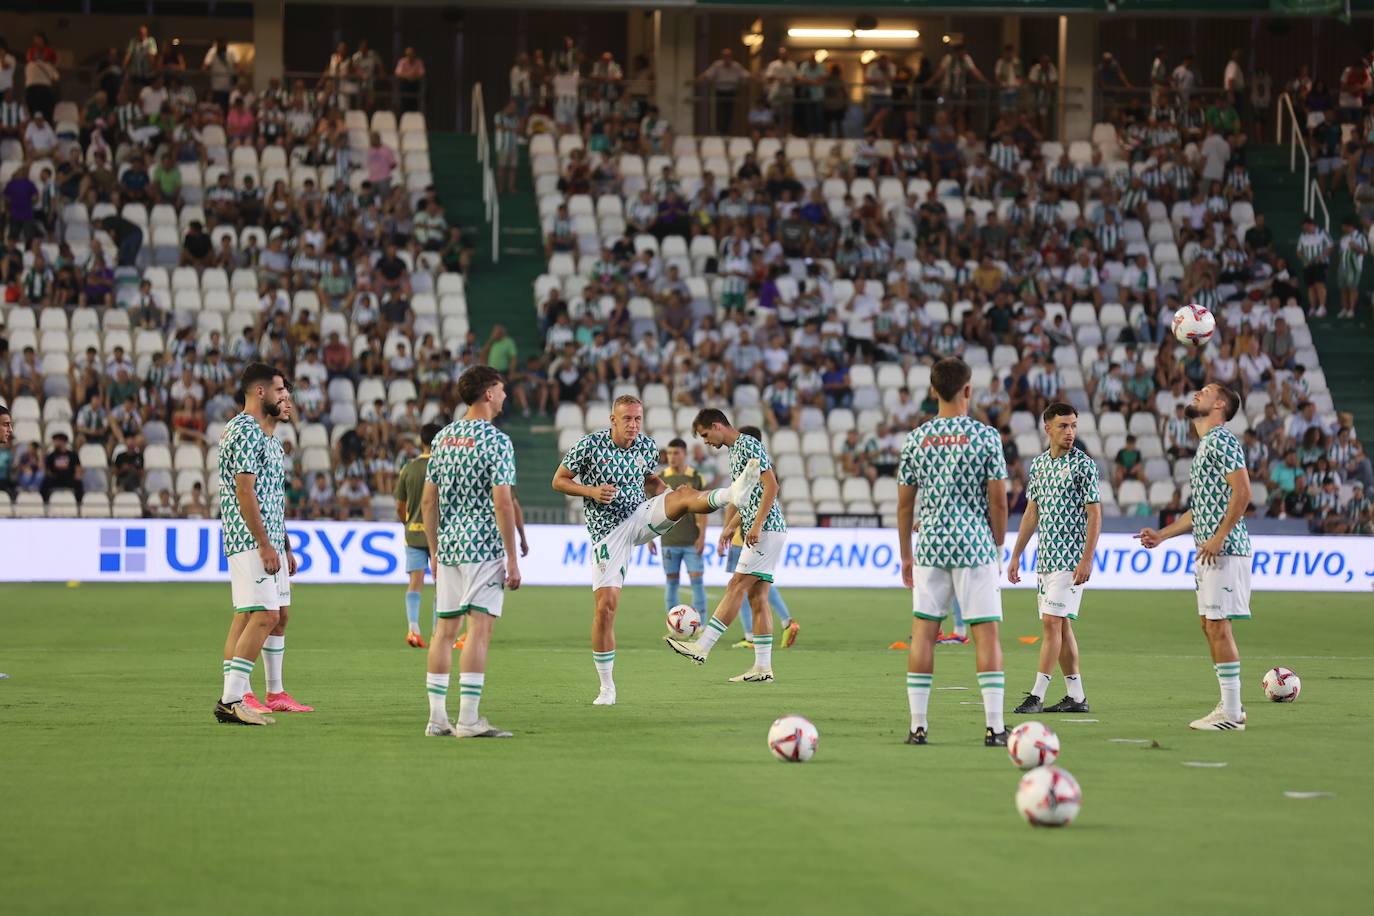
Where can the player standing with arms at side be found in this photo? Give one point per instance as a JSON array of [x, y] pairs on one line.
[[685, 542], [1063, 506], [1220, 497], [958, 465], [617, 468], [252, 499], [468, 506], [6, 435], [759, 515], [410, 485]]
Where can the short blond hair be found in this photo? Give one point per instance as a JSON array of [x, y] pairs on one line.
[[625, 399]]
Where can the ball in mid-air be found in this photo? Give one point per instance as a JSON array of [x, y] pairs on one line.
[[1048, 797], [1032, 744], [684, 620], [1281, 685], [1194, 325], [793, 739]]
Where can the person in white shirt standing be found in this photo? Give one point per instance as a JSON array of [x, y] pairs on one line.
[[780, 77], [724, 77]]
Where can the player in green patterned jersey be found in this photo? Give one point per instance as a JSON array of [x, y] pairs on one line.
[[1062, 505], [615, 472], [759, 516], [252, 494], [1220, 496], [959, 468], [469, 516]]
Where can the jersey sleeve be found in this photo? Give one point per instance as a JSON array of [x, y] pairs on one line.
[[1033, 481], [238, 456], [758, 451], [435, 469], [503, 462], [906, 466], [650, 457], [1088, 482], [576, 458], [1230, 455]]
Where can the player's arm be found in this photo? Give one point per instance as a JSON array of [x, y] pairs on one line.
[[1030, 520], [1085, 565], [252, 517], [565, 482], [997, 512], [504, 501], [1149, 537], [700, 484], [429, 512], [290, 558], [906, 512], [1239, 479], [728, 529], [770, 493], [520, 525], [654, 485]]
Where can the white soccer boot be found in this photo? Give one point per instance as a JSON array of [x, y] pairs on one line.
[[439, 730], [1217, 721], [479, 729], [754, 675], [688, 649], [744, 483], [605, 698]]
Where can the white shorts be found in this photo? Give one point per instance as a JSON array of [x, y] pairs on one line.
[[978, 589], [1223, 590], [761, 559], [1057, 596], [611, 555], [251, 587], [470, 587]]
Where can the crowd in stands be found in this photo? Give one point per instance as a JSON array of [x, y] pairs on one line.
[[811, 280], [157, 240]]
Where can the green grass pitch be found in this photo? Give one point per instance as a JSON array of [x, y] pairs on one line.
[[120, 794]]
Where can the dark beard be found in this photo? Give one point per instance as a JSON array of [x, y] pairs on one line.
[[1192, 413], [271, 409]]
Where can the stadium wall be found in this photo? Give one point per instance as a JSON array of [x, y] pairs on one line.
[[144, 550]]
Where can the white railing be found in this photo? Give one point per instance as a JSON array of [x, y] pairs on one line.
[[1311, 191], [491, 200]]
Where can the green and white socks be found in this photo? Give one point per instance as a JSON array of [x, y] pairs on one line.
[[273, 653], [437, 686], [605, 667], [469, 695], [918, 697], [236, 674], [993, 685], [712, 634], [717, 498], [1228, 676], [763, 651]]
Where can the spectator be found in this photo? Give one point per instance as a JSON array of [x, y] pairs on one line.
[[61, 469], [40, 76], [1128, 464]]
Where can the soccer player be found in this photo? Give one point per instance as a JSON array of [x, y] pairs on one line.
[[958, 465], [469, 517], [252, 496], [410, 485], [614, 470], [684, 543], [790, 627], [1220, 495], [6, 435], [1063, 506], [759, 515]]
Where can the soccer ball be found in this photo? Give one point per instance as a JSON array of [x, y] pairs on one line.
[[1048, 797], [684, 620], [1281, 685], [793, 739], [1032, 744], [1194, 325]]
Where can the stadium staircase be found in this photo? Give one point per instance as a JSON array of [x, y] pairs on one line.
[[1345, 347], [501, 294]]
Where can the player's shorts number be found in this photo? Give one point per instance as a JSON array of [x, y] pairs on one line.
[[602, 554]]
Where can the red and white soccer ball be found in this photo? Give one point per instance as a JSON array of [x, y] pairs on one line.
[[1048, 797], [793, 739], [684, 620], [1032, 744], [1194, 325], [1281, 685]]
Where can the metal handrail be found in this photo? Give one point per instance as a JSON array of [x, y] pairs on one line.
[[491, 198], [1295, 143], [1315, 195]]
